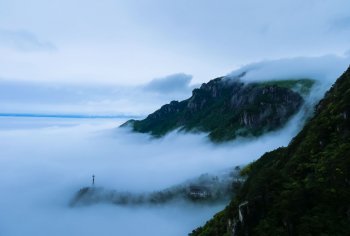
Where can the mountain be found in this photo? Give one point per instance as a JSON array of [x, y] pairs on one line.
[[226, 108], [205, 189], [302, 189]]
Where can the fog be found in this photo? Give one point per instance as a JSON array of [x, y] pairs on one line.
[[45, 161], [58, 60]]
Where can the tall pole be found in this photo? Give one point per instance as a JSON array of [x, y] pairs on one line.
[[93, 180]]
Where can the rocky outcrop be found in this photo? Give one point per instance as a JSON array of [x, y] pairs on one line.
[[225, 109]]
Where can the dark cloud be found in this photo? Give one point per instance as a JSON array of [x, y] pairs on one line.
[[176, 83], [24, 41]]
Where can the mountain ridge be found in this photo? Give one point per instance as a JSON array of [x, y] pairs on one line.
[[228, 108]]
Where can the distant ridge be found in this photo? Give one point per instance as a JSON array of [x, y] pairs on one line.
[[66, 116]]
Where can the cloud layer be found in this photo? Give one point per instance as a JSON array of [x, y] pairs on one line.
[[44, 162], [325, 69]]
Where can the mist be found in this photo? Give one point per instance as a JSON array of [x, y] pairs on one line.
[[45, 161]]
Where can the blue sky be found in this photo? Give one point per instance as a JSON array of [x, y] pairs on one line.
[[133, 43]]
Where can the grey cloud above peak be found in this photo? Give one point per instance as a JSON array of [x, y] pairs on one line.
[[170, 84], [24, 41]]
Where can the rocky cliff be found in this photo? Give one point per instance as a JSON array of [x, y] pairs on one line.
[[227, 108], [303, 189]]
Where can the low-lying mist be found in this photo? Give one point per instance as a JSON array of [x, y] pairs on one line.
[[44, 162]]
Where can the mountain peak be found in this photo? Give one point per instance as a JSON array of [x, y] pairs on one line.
[[226, 108]]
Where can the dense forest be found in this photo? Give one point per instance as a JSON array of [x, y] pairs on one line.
[[302, 189]]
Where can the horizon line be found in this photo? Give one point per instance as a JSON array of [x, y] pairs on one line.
[[43, 115]]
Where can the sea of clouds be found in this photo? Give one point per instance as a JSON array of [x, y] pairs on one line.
[[45, 161]]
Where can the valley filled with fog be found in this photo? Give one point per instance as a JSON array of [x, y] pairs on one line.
[[45, 161]]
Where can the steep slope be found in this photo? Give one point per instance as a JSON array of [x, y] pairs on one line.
[[303, 189], [226, 108]]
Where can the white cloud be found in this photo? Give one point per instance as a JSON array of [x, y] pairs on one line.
[[44, 162], [325, 69]]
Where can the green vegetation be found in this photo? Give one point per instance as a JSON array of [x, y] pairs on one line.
[[226, 109], [303, 189], [303, 86]]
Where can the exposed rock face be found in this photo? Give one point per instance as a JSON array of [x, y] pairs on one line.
[[225, 109]]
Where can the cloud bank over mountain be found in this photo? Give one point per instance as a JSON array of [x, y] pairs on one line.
[[325, 69]]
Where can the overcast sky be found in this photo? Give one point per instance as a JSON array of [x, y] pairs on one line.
[[132, 56], [133, 42]]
